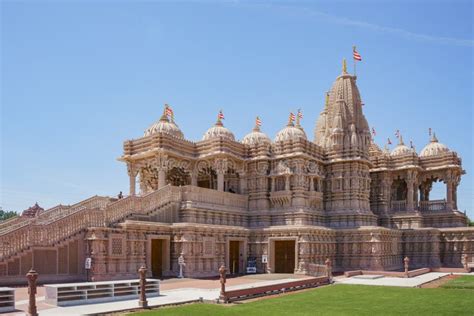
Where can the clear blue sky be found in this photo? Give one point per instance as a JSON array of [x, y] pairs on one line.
[[77, 79]]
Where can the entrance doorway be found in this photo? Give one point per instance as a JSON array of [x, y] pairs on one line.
[[157, 258], [284, 256], [234, 256]]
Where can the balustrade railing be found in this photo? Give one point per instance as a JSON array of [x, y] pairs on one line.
[[433, 206], [203, 195], [62, 222], [399, 206]]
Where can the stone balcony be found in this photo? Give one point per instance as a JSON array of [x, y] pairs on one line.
[[423, 206]]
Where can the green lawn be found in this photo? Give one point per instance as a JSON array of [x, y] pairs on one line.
[[344, 300], [464, 282]]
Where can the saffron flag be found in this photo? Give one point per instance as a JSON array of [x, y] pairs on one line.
[[300, 114], [292, 117], [397, 133], [356, 55], [169, 111], [389, 141]]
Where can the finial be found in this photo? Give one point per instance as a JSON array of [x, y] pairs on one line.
[[400, 140], [433, 138], [344, 66]]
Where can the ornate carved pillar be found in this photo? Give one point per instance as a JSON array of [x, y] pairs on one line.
[[449, 190], [132, 173], [220, 166], [387, 187], [194, 178], [162, 168], [243, 182], [287, 182], [311, 184], [273, 184], [410, 180]]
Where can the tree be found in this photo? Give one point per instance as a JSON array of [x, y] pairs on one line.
[[4, 215]]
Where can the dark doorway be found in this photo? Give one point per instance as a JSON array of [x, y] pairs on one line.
[[285, 256], [234, 256], [157, 258]]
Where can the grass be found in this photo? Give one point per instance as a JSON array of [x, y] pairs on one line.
[[463, 282], [343, 300]]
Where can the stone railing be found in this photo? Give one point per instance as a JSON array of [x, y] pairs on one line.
[[13, 224], [433, 206], [61, 223], [213, 197], [120, 209], [399, 206], [94, 212]]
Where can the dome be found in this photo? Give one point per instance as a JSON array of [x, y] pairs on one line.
[[217, 131], [290, 132], [165, 126], [434, 148], [33, 211], [401, 149], [256, 137]]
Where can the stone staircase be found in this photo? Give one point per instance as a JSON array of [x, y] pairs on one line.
[[63, 223]]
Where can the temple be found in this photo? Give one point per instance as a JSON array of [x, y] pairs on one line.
[[287, 202]]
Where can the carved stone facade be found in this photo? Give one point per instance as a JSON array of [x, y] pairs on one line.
[[290, 203]]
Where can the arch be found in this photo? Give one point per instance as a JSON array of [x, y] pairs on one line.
[[178, 176]]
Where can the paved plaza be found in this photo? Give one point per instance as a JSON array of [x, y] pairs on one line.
[[178, 291]]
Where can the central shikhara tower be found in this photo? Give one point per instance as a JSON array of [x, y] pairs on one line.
[[284, 204]]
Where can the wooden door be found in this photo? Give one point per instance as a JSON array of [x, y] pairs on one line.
[[157, 258], [234, 256], [285, 256]]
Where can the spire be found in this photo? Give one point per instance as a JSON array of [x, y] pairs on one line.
[[400, 140], [344, 66], [433, 138]]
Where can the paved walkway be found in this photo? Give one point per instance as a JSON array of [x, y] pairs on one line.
[[172, 291], [391, 281]]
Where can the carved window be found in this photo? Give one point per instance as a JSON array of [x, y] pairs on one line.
[[117, 246], [208, 247]]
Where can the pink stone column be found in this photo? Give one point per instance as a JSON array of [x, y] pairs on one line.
[[406, 263], [222, 273], [143, 301], [329, 269], [32, 276]]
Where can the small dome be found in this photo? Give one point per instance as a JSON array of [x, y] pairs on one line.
[[256, 136], [434, 148], [32, 211], [217, 131], [290, 132], [401, 149], [165, 126]]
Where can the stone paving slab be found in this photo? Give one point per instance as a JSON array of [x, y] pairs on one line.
[[391, 281], [174, 296]]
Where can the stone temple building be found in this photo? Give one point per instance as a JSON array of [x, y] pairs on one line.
[[287, 202]]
